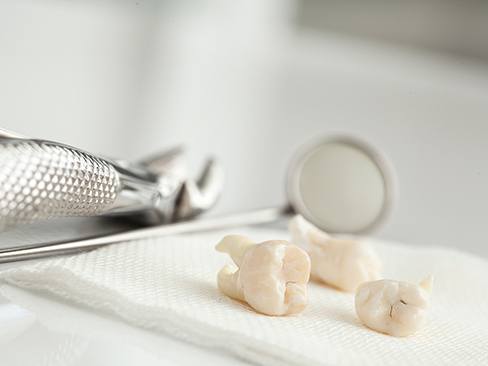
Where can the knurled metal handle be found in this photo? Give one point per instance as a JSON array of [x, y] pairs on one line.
[[42, 179]]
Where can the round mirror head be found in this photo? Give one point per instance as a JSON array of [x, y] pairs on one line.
[[341, 185]]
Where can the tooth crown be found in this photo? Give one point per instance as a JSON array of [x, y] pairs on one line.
[[392, 307], [344, 264], [271, 277]]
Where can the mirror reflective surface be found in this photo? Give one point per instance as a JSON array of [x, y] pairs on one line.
[[341, 185]]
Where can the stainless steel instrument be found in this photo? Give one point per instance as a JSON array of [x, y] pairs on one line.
[[340, 184], [43, 179]]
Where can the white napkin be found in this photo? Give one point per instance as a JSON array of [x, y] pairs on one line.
[[169, 284]]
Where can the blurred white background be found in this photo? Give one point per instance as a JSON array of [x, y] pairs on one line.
[[249, 81]]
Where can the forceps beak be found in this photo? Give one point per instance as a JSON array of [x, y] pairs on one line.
[[195, 195], [172, 161]]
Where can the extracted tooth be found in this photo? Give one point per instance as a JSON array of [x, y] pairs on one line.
[[344, 264], [393, 307], [271, 276]]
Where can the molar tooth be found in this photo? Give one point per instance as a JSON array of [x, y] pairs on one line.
[[271, 276], [393, 307]]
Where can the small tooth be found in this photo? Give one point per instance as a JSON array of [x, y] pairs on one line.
[[196, 197], [393, 307]]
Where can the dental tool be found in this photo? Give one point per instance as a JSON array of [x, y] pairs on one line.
[[339, 184], [42, 179]]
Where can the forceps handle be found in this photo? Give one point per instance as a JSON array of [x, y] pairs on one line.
[[61, 248], [43, 179]]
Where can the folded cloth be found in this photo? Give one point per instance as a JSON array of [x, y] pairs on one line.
[[169, 284]]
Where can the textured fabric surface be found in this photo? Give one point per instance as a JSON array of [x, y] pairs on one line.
[[169, 284]]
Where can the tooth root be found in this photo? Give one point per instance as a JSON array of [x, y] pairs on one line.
[[298, 231], [235, 246], [227, 282], [427, 283], [306, 234], [199, 196]]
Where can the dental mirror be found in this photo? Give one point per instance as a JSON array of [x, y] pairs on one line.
[[339, 184]]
